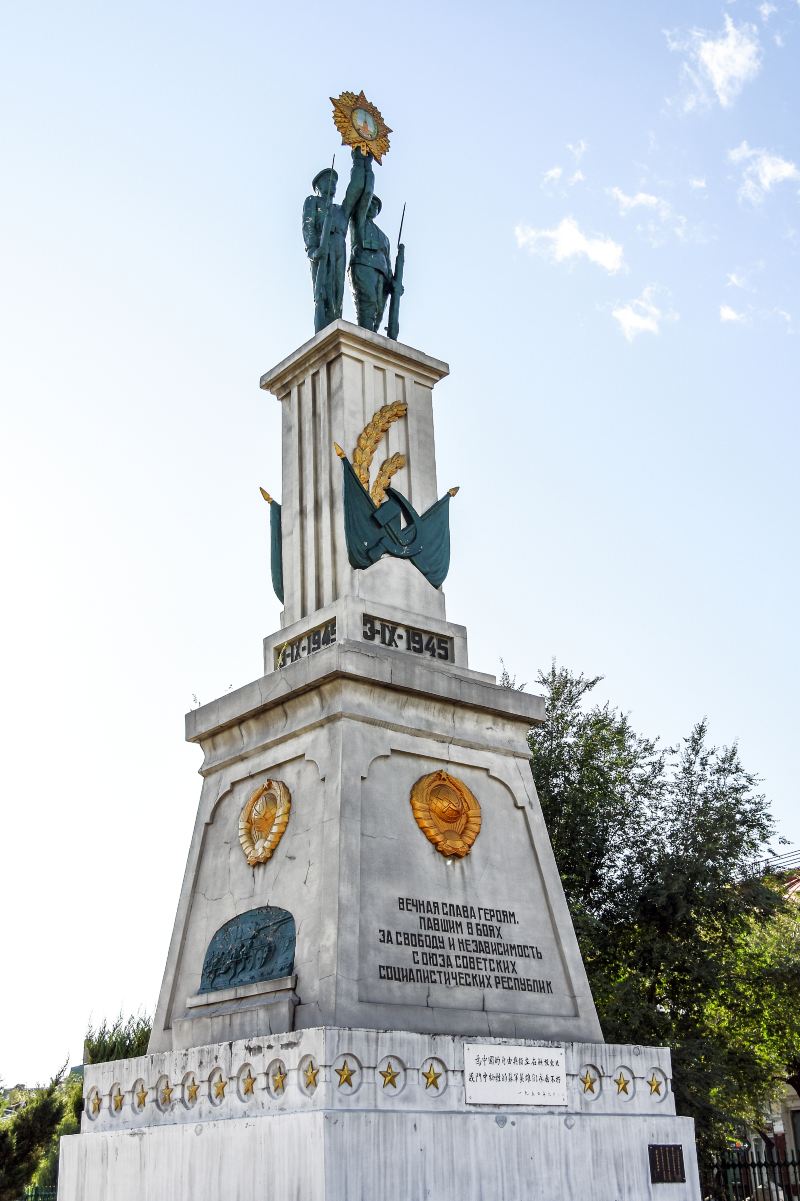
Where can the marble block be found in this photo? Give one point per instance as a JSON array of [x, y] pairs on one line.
[[359, 1114], [390, 932], [329, 389]]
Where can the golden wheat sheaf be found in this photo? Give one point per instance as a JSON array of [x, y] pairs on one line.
[[370, 437]]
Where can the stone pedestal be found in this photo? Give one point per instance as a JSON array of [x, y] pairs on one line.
[[370, 889], [390, 933], [332, 1114], [329, 389]]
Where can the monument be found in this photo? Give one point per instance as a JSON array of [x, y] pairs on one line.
[[373, 987]]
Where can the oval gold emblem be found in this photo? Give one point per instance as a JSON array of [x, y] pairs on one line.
[[447, 813], [263, 821]]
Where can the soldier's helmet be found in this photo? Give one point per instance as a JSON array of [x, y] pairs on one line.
[[324, 179], [376, 204]]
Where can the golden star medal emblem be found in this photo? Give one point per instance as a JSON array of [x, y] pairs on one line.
[[311, 1074], [279, 1079], [389, 1076], [447, 813], [655, 1085], [118, 1099], [96, 1103], [345, 1074], [141, 1097], [248, 1082], [361, 124], [192, 1089], [166, 1094], [431, 1077], [219, 1088], [263, 821], [588, 1081], [622, 1083]]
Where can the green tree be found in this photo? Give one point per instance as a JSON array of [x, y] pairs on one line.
[[26, 1135], [124, 1038], [685, 942], [46, 1173], [30, 1137]]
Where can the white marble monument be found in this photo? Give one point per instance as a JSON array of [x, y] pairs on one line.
[[373, 986]]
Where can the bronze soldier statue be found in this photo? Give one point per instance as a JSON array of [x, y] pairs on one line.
[[371, 276], [324, 229]]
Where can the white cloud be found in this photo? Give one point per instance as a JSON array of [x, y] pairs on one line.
[[553, 175], [724, 63], [727, 315], [641, 316], [761, 171], [697, 184], [766, 10], [640, 200], [579, 148], [576, 177], [568, 241], [778, 40], [734, 280]]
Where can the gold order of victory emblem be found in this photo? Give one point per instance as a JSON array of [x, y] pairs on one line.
[[447, 813], [263, 821], [361, 124]]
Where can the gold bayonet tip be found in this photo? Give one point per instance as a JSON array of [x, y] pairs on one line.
[[453, 491], [339, 450], [266, 495]]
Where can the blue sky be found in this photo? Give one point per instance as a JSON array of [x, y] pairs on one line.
[[602, 233]]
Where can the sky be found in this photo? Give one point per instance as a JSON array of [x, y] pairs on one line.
[[602, 239]]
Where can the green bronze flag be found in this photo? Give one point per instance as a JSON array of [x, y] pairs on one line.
[[372, 531]]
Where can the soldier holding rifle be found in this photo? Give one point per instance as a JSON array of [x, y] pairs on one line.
[[325, 225]]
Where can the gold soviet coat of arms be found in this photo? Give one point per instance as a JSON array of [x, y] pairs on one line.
[[263, 821], [447, 813]]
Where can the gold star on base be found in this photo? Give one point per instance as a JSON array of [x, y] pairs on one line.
[[141, 1097], [166, 1094], [219, 1088], [588, 1081], [311, 1074], [118, 1098], [248, 1082], [622, 1083], [96, 1103], [431, 1077], [655, 1085], [389, 1076], [345, 1074], [279, 1079], [192, 1089]]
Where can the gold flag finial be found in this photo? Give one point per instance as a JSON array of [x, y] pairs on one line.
[[266, 495], [339, 450], [453, 491]]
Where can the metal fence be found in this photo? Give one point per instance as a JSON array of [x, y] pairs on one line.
[[745, 1176]]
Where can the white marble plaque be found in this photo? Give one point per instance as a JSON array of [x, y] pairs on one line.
[[514, 1075]]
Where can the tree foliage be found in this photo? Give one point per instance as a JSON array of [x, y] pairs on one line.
[[31, 1134], [685, 942], [26, 1135], [124, 1038], [46, 1173]]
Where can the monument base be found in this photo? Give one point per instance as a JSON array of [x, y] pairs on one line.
[[333, 1114]]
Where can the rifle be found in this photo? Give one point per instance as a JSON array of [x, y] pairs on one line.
[[323, 241], [393, 327]]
